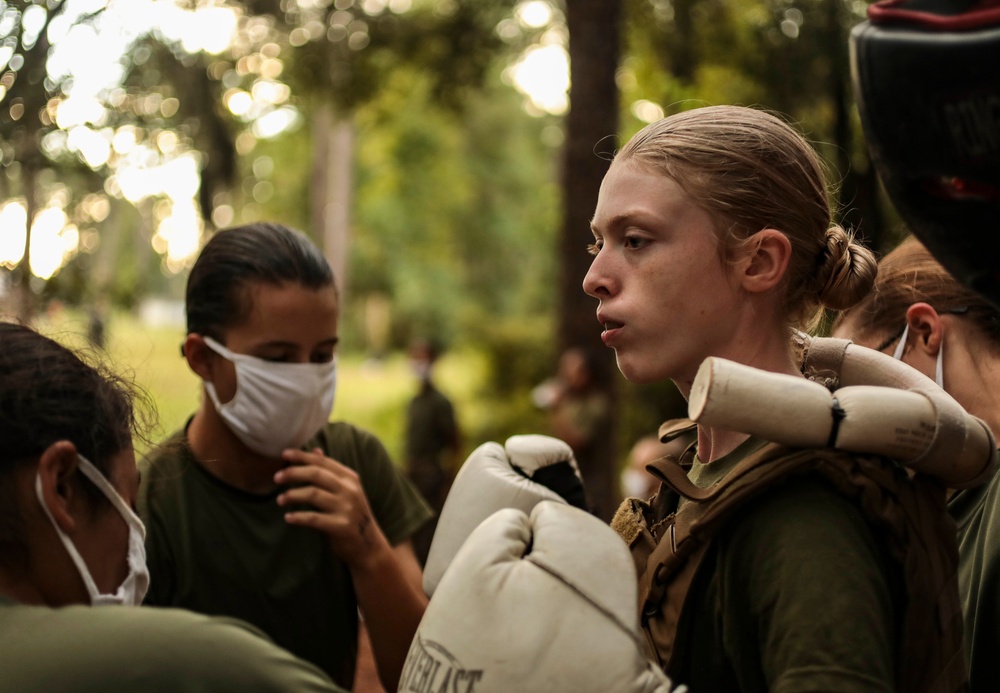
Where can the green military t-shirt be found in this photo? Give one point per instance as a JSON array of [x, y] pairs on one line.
[[796, 595], [977, 514], [112, 649], [218, 550]]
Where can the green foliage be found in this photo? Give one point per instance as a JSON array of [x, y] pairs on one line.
[[455, 213]]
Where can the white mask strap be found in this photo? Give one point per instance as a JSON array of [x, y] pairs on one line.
[[939, 369], [81, 565], [221, 350], [138, 579], [901, 347]]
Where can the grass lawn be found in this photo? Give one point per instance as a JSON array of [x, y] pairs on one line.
[[370, 394]]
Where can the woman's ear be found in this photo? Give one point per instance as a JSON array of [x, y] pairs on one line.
[[198, 355], [766, 258], [56, 468], [926, 327]]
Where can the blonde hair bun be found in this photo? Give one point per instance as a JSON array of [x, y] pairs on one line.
[[847, 271]]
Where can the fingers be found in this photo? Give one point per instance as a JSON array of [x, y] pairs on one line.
[[318, 481], [328, 497], [313, 467]]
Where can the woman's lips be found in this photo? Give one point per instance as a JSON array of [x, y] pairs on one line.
[[611, 331]]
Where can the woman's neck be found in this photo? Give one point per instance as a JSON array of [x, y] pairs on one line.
[[218, 450], [773, 355], [715, 443]]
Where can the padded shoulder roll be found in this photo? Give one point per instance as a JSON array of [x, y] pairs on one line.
[[881, 407]]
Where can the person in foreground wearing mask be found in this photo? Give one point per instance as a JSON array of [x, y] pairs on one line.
[[916, 311], [69, 539], [259, 508]]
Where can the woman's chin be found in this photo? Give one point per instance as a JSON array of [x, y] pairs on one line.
[[637, 373]]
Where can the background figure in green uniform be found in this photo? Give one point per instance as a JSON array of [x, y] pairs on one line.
[[432, 441], [713, 237], [579, 413], [259, 508], [69, 539], [913, 291]]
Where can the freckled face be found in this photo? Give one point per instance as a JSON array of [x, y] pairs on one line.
[[667, 300]]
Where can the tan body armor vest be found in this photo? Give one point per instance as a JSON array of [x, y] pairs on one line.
[[907, 515]]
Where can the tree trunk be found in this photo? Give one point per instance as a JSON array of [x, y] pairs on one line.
[[333, 183], [859, 188], [682, 51], [26, 307], [591, 137]]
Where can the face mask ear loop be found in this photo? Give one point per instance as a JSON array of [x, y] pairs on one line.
[[939, 369], [901, 347], [77, 559], [109, 491]]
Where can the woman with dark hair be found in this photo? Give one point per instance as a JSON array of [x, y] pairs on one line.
[[69, 539], [259, 508]]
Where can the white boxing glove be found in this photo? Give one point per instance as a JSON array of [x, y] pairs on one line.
[[529, 469], [545, 602]]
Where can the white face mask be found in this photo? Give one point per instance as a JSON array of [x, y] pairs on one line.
[[420, 369], [635, 484], [277, 405], [939, 368], [132, 591]]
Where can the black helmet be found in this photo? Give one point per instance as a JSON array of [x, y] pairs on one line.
[[927, 79]]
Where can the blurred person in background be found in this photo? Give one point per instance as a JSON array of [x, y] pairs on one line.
[[924, 317], [432, 440], [636, 480], [579, 412]]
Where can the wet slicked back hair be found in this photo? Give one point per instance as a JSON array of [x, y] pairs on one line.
[[751, 171], [235, 259]]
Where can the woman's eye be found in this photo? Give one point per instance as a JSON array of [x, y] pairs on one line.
[[595, 247], [322, 357], [275, 357], [634, 242]]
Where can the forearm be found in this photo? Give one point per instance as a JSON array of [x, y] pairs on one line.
[[392, 606]]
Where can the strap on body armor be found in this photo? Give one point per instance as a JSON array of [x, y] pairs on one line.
[[669, 546]]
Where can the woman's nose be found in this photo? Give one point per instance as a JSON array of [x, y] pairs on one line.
[[597, 282]]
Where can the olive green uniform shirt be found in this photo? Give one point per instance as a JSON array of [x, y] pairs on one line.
[[118, 649], [218, 550], [795, 595], [431, 438], [977, 514]]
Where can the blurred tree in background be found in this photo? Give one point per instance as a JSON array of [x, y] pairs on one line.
[[429, 146]]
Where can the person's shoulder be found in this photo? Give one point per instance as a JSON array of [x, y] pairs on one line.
[[799, 511], [163, 468], [154, 649], [167, 456]]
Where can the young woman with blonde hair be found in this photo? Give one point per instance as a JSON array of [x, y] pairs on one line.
[[713, 237]]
